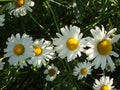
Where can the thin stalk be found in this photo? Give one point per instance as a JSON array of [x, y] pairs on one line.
[[70, 74], [4, 7], [88, 85], [39, 25], [56, 2], [53, 14], [36, 21]]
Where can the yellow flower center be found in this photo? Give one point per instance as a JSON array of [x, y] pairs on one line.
[[105, 87], [83, 71], [104, 47], [19, 3], [18, 49], [72, 44], [52, 72], [37, 50]]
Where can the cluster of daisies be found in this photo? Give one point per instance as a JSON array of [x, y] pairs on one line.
[[22, 50], [70, 44]]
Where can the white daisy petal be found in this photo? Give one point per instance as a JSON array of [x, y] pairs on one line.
[[75, 31], [31, 3], [115, 38], [114, 54], [111, 82], [65, 31], [103, 64], [96, 33], [110, 62], [111, 32], [96, 62], [97, 82], [92, 56], [89, 51]]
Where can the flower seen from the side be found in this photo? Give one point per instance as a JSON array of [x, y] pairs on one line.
[[101, 48], [51, 72], [43, 51], [2, 19], [19, 48], [82, 70], [70, 44], [20, 7], [105, 83]]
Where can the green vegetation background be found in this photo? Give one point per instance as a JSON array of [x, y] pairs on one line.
[[47, 18]]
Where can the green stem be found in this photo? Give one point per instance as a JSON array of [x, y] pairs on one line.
[[56, 2], [88, 85], [68, 65], [39, 25], [70, 74], [4, 7], [36, 21], [53, 14]]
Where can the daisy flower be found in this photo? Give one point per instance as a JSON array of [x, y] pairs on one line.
[[82, 70], [101, 48], [109, 68], [43, 51], [105, 83], [70, 43], [20, 7], [51, 72], [2, 19], [117, 62], [18, 48]]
